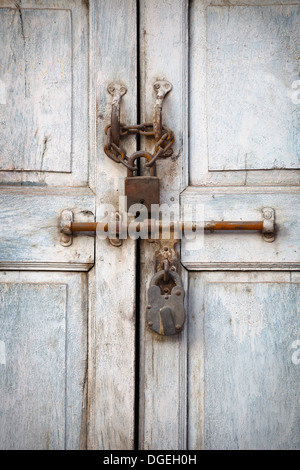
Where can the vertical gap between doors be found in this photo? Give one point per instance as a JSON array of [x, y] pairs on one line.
[[138, 255]]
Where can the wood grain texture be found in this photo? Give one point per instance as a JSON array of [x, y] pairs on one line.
[[36, 69], [45, 166], [259, 60], [242, 380], [163, 45], [43, 320], [242, 250], [30, 232], [112, 282], [232, 87], [44, 80]]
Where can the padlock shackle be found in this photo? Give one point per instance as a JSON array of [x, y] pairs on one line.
[[160, 276], [140, 154]]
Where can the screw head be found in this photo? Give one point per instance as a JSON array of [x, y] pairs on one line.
[[178, 327], [157, 86], [148, 307], [150, 323], [178, 293], [267, 214]]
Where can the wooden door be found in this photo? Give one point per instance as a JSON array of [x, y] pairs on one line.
[[231, 380], [70, 355], [67, 325]]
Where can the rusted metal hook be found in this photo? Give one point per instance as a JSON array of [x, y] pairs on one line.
[[161, 88], [117, 90]]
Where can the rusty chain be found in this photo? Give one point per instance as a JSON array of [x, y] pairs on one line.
[[162, 149]]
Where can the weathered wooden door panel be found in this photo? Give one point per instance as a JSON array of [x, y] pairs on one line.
[[44, 92], [57, 58], [163, 48], [243, 380], [243, 69], [44, 169], [43, 360], [229, 381], [30, 228], [245, 250], [252, 61]]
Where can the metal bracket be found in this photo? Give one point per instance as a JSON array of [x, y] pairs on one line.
[[116, 218], [117, 91], [268, 224], [66, 219], [162, 88]]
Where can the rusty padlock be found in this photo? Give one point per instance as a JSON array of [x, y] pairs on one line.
[[166, 313], [142, 189]]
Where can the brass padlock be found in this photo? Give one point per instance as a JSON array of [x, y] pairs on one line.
[[142, 189], [166, 313]]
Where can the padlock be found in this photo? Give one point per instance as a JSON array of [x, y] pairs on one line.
[[142, 189], [166, 313]]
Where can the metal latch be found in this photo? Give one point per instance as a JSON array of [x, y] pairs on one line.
[[266, 226]]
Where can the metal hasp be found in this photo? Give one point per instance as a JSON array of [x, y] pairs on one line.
[[162, 88]]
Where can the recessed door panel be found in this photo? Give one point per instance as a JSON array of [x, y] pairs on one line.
[[252, 62], [43, 328], [244, 373]]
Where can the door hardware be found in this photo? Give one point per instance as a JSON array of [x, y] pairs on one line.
[[115, 218], [165, 313], [116, 131], [117, 91], [66, 219], [265, 226], [161, 87], [142, 189]]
